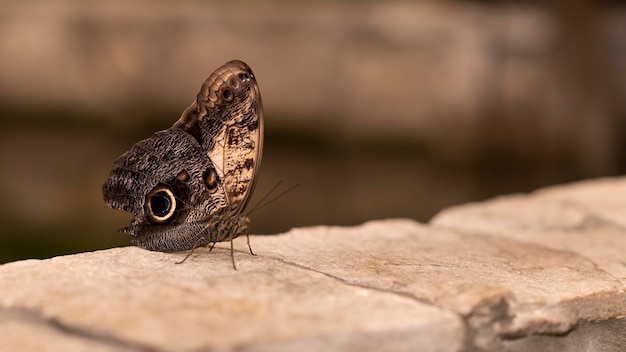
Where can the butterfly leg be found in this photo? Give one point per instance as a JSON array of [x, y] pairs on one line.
[[232, 254], [187, 256], [249, 247], [193, 249]]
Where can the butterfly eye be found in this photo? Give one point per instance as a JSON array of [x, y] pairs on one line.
[[160, 204], [210, 178], [227, 94]]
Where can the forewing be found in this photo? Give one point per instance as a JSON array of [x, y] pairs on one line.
[[227, 118]]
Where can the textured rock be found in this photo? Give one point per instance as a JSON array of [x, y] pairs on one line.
[[510, 274], [141, 299], [588, 219]]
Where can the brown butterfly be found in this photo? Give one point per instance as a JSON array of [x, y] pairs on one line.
[[188, 186]]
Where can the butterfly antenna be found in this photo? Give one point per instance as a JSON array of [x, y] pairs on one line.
[[259, 206], [267, 195]]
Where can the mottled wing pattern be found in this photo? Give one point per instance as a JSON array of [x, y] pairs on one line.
[[227, 116], [159, 162], [187, 186]]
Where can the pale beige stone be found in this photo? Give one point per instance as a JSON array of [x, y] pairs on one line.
[[24, 330], [588, 218], [537, 289], [505, 275], [144, 299]]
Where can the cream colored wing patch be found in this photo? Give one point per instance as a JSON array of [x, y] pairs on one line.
[[230, 116]]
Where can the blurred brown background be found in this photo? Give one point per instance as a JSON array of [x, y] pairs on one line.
[[378, 109]]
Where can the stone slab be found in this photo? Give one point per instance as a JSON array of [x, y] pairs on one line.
[[504, 275], [141, 299], [586, 218]]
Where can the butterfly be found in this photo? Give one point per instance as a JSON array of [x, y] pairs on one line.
[[188, 186]]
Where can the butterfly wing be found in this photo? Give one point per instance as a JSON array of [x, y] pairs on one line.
[[169, 185], [227, 117], [188, 185]]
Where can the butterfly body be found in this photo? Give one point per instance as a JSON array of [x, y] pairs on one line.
[[188, 186]]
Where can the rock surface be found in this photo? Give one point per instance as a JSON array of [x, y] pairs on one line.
[[512, 274]]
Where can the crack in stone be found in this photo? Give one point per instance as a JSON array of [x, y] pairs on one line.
[[469, 330], [479, 335], [34, 316], [356, 284], [479, 324]]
